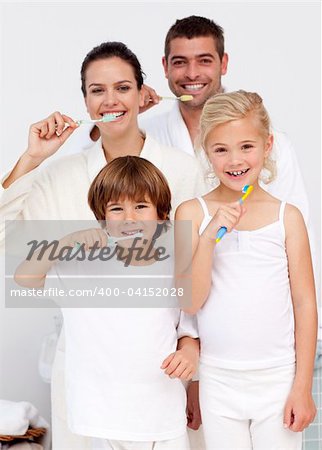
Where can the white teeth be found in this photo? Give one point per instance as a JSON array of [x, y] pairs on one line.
[[193, 87], [115, 114], [238, 172]]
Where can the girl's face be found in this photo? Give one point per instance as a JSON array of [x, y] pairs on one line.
[[111, 87], [237, 150], [127, 217]]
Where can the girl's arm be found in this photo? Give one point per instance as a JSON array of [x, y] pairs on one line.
[[32, 273], [300, 409], [193, 269]]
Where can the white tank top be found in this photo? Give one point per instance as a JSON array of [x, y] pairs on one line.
[[247, 321]]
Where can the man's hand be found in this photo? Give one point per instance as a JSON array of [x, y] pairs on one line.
[[193, 408], [151, 98]]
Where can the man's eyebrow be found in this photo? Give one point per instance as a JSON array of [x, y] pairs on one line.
[[201, 55]]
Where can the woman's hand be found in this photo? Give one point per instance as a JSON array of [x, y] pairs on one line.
[[48, 135], [227, 215]]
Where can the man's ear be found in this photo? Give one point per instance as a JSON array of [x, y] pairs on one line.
[[224, 64], [165, 66]]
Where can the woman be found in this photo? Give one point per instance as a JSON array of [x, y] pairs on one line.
[[111, 82]]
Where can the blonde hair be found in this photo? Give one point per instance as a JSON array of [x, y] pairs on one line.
[[223, 108]]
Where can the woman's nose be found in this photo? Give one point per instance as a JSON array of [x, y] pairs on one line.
[[110, 98]]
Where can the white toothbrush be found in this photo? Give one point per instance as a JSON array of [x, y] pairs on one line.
[[106, 118]]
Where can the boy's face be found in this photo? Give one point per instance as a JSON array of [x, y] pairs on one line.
[[127, 218]]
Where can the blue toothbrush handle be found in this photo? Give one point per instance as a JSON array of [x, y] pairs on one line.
[[220, 233]]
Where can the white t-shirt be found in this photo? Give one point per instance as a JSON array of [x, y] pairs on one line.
[[115, 386]]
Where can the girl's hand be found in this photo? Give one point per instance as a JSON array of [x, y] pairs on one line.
[[227, 215], [299, 410], [48, 135], [181, 364], [86, 238]]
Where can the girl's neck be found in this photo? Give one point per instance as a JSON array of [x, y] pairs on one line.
[[227, 195], [130, 143]]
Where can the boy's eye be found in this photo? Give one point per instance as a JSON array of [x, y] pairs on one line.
[[116, 208], [141, 206]]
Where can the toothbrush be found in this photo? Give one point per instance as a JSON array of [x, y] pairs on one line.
[[113, 240], [247, 189], [104, 119], [182, 98]]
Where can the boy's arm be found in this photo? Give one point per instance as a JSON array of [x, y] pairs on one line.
[[31, 273], [300, 409]]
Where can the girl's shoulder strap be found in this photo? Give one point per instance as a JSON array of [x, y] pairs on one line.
[[204, 206], [281, 218]]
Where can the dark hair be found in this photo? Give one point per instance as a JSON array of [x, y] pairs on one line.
[[195, 26], [109, 50], [129, 177]]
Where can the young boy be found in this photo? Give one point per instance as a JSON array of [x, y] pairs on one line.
[[117, 392]]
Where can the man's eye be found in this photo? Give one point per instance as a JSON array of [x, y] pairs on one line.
[[178, 63], [206, 61]]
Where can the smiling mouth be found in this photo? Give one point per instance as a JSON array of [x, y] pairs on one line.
[[193, 87], [131, 232], [237, 173], [116, 114]]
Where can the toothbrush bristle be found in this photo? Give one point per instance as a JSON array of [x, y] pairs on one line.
[[109, 118], [186, 98], [245, 188]]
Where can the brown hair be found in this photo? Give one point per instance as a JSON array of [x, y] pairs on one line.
[[192, 27], [129, 177]]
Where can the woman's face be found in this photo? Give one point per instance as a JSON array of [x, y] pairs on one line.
[[111, 87]]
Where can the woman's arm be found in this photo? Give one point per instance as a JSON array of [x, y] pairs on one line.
[[300, 409], [45, 138]]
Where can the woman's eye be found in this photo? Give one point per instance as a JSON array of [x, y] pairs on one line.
[[124, 88], [96, 91]]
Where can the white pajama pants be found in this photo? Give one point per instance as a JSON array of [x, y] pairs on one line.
[[180, 443], [243, 409]]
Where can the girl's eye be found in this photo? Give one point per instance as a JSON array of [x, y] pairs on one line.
[[247, 146], [219, 150]]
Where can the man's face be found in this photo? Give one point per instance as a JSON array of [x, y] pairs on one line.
[[194, 68]]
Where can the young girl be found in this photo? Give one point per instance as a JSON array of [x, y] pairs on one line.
[[117, 392], [256, 361]]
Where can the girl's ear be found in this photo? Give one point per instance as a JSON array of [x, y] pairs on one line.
[[269, 145]]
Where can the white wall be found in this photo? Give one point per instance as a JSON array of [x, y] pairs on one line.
[[274, 49]]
